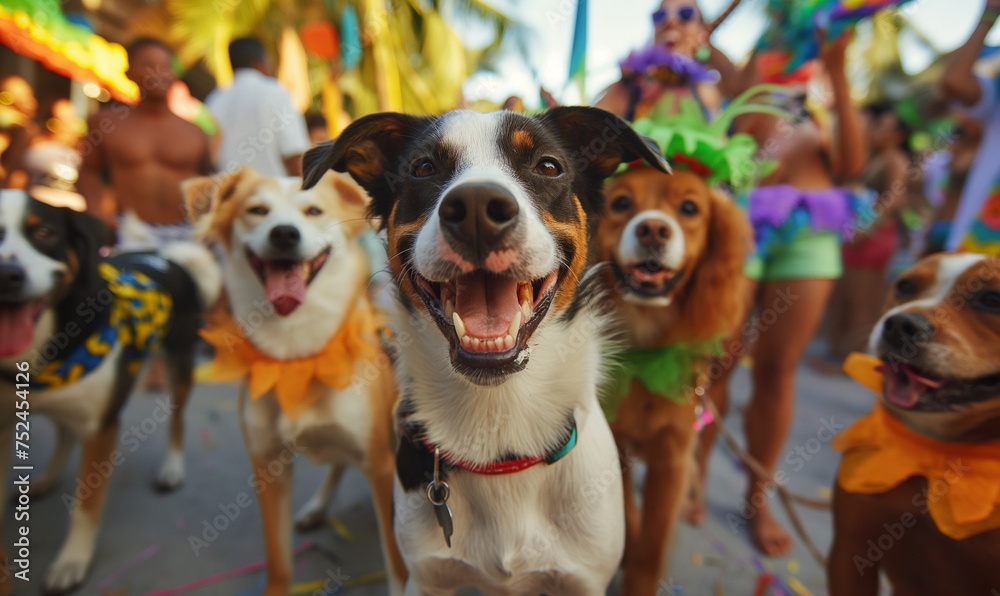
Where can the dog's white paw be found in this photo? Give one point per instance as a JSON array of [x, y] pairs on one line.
[[66, 573], [311, 516], [171, 474]]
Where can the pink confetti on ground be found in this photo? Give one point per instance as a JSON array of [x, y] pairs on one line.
[[146, 554], [218, 577]]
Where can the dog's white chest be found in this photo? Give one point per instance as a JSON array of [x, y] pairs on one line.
[[336, 428], [555, 529]]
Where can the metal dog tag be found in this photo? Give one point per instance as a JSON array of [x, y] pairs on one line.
[[438, 492], [443, 514]]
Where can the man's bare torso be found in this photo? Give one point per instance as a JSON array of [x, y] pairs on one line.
[[147, 157]]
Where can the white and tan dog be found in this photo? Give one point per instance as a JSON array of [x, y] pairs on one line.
[[296, 280], [507, 474]]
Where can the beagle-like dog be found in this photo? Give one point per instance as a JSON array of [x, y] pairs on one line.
[[918, 489]]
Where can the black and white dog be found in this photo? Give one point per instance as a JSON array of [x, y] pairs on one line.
[[503, 443], [75, 330]]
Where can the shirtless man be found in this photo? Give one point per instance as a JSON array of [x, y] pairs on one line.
[[143, 151]]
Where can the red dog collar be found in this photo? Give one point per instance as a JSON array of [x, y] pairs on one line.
[[506, 466], [414, 434]]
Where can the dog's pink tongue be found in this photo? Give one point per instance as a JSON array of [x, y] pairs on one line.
[[658, 277], [17, 328], [905, 389], [486, 303], [285, 286]]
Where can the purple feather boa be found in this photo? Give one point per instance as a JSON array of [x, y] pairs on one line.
[[643, 61], [779, 212]]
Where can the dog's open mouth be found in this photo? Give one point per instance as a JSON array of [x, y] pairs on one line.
[[911, 388], [17, 325], [649, 279], [285, 281], [488, 318]]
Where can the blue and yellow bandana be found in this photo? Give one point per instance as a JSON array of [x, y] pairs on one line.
[[140, 312]]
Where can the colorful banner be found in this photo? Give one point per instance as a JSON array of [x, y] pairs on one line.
[[578, 56], [39, 30], [791, 39]]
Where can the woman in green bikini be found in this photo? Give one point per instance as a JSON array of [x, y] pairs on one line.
[[799, 214]]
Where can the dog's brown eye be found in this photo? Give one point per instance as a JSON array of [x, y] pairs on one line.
[[689, 208], [43, 233], [314, 211], [548, 167], [990, 300], [258, 210], [424, 169], [620, 204], [905, 288]]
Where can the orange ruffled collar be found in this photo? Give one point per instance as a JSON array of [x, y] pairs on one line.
[[236, 358], [880, 452]]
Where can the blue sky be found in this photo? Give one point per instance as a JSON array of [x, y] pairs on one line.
[[617, 26]]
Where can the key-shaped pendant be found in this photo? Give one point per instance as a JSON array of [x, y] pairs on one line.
[[438, 492], [443, 514]]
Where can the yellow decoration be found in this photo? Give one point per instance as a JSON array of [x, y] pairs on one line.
[[880, 452], [988, 248], [293, 68], [237, 358], [861, 368]]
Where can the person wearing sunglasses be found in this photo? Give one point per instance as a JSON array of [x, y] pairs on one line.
[[679, 26], [669, 69]]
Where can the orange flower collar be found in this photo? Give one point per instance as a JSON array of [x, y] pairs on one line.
[[880, 452], [236, 358]]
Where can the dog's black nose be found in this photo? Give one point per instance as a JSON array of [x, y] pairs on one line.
[[478, 215], [11, 278], [906, 328], [284, 237], [652, 232]]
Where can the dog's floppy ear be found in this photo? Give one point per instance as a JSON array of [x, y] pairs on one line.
[[87, 234], [204, 195], [365, 150], [716, 301], [598, 141]]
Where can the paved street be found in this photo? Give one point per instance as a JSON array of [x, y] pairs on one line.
[[145, 544]]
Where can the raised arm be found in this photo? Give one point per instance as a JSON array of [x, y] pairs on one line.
[[733, 80], [959, 82], [615, 99], [853, 146]]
